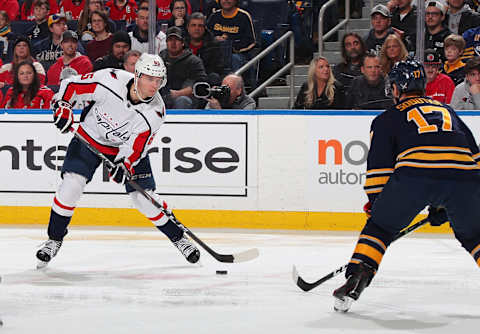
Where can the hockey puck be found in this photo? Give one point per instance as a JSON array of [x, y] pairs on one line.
[[221, 272]]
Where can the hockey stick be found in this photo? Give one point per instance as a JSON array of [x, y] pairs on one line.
[[305, 286], [228, 258]]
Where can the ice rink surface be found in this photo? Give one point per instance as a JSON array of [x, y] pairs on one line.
[[135, 281]]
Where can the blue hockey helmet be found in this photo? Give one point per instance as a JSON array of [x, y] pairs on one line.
[[409, 76]]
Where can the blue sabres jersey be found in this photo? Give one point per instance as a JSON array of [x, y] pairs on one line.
[[420, 137], [472, 43]]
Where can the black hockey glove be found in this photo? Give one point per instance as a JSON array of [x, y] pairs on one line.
[[437, 216], [122, 172], [62, 116]]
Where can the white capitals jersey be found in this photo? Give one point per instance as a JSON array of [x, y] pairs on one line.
[[110, 121]]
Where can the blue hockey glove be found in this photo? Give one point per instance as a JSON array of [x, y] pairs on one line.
[[122, 172], [62, 116], [437, 216]]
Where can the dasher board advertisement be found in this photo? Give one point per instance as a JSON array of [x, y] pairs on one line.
[[188, 158]]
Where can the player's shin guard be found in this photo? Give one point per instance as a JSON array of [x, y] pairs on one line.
[[366, 258], [64, 203], [166, 222]]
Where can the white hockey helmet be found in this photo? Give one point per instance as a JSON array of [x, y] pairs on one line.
[[150, 65]]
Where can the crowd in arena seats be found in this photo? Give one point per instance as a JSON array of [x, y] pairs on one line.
[[60, 38], [205, 40], [451, 57]]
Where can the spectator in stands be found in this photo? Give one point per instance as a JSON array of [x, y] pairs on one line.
[[472, 43], [393, 50], [381, 21], [48, 50], [435, 32], [122, 10], [84, 29], [101, 45], [236, 26], [164, 11], [121, 44], [7, 38], [404, 21], [368, 89], [183, 70], [11, 7], [466, 95], [139, 36], [26, 12], [40, 30], [27, 92], [203, 44], [71, 63], [353, 51], [238, 99], [130, 59], [72, 8], [21, 52], [439, 86], [179, 15], [454, 67], [461, 17], [321, 91]]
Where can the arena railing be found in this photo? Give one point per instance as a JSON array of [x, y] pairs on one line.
[[321, 15], [289, 66]]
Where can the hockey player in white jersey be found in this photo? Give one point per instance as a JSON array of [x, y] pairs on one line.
[[121, 114]]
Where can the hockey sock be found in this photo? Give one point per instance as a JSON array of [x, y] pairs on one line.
[[171, 230], [472, 246], [371, 246], [57, 226], [476, 254]]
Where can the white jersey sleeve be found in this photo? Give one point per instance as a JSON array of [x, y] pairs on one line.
[[80, 89]]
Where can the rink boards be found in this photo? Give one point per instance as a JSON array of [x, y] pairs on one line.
[[238, 169]]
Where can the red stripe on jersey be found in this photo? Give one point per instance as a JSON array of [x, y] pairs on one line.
[[138, 146], [71, 208], [157, 217], [109, 150], [79, 89]]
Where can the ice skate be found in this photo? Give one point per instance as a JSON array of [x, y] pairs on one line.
[[351, 290], [47, 252], [188, 249]]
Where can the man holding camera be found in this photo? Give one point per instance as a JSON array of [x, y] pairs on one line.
[[237, 99]]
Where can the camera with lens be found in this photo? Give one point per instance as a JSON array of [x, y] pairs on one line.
[[203, 90]]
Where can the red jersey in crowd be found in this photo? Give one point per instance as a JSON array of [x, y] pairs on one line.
[[163, 7], [71, 10], [441, 89], [127, 12], [30, 17], [11, 7], [6, 73], [79, 65], [40, 101]]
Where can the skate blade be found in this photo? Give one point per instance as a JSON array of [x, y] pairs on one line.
[[41, 264], [343, 305]]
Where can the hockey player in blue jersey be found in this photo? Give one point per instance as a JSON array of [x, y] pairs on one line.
[[421, 154]]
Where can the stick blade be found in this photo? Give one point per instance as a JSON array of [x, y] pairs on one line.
[[246, 255], [305, 286]]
